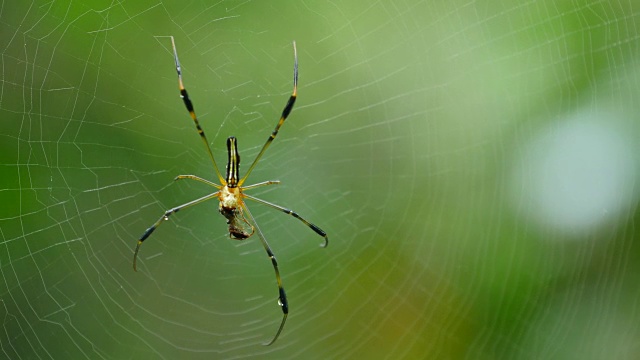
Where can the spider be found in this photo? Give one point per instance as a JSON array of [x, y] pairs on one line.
[[231, 192]]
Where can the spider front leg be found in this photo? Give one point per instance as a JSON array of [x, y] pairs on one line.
[[164, 217], [282, 295]]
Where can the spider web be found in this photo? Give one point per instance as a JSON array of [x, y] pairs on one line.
[[475, 165]]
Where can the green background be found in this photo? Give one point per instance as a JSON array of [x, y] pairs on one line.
[[411, 145]]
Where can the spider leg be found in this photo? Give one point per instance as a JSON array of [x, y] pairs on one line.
[[197, 178], [294, 214], [165, 216], [189, 105], [282, 296], [285, 112], [269, 182]]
